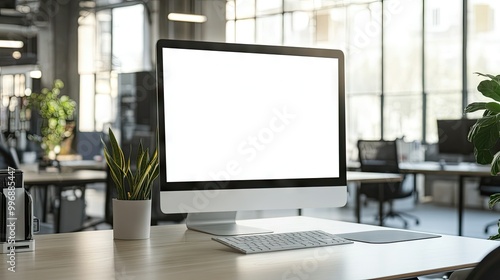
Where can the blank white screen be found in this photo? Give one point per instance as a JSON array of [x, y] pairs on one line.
[[246, 116]]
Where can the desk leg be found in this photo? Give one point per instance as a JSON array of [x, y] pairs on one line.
[[460, 203], [415, 190], [380, 204], [358, 203], [44, 202], [57, 220]]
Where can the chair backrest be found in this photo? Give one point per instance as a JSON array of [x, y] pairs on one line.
[[489, 185], [381, 156], [7, 159], [488, 267], [89, 144], [378, 156]]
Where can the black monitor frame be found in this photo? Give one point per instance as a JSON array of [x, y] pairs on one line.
[[247, 48]]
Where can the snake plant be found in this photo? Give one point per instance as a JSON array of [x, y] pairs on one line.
[[131, 184]]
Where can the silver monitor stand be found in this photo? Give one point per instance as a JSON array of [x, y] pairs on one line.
[[219, 223]]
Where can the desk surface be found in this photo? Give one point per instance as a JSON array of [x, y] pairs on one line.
[[372, 177], [173, 252], [433, 167], [64, 178], [462, 169]]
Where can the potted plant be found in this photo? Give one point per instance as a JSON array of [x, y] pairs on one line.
[[485, 133], [55, 110], [132, 208]]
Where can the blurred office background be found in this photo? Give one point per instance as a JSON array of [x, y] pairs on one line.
[[408, 62]]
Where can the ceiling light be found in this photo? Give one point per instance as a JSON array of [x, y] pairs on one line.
[[36, 73], [23, 9], [16, 55], [187, 17], [11, 44]]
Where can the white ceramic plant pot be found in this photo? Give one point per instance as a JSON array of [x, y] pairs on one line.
[[131, 219]]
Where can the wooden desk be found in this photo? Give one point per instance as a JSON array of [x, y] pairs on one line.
[[64, 179], [83, 165], [463, 171], [60, 181], [173, 252], [371, 177]]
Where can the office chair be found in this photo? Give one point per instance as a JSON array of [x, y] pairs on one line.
[[110, 193], [382, 156], [487, 187], [7, 158], [487, 268]]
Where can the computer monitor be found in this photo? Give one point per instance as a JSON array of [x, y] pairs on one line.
[[248, 127], [452, 136]]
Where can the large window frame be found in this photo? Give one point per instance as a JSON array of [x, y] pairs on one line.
[[398, 109], [113, 38]]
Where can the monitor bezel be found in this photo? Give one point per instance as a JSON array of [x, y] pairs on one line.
[[250, 184]]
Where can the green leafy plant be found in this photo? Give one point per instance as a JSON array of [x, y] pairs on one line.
[[131, 185], [55, 110], [485, 133]]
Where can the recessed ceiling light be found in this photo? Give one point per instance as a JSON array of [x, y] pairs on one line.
[[187, 17], [16, 55], [11, 44], [36, 74], [23, 9]]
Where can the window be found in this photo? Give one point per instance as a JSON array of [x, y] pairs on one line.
[[398, 87], [111, 41]]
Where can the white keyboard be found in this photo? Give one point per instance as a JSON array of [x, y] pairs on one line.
[[261, 243]]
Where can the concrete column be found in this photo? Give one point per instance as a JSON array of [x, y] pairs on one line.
[[58, 44]]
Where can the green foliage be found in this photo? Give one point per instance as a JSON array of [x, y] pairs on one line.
[[55, 110], [130, 185], [485, 132]]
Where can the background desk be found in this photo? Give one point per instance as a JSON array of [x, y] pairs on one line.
[[45, 180], [461, 170], [64, 179], [173, 252]]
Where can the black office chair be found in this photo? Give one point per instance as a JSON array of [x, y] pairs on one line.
[[7, 158], [488, 268], [110, 193], [382, 156], [487, 187]]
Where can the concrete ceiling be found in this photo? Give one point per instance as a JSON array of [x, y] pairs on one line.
[[18, 24]]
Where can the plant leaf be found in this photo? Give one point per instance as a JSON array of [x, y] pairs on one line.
[[131, 185], [493, 107], [494, 199], [490, 89], [117, 154], [116, 172], [494, 78], [495, 164], [484, 135], [475, 107]]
